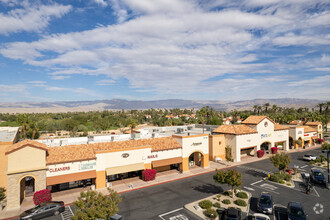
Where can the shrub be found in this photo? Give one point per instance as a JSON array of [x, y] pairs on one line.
[[274, 150], [211, 213], [318, 160], [287, 177], [240, 202], [228, 193], [276, 177], [242, 195], [205, 204], [282, 181], [42, 196], [226, 201], [288, 184], [260, 153], [319, 164], [320, 141], [217, 205], [149, 174], [311, 162], [218, 197], [2, 193]]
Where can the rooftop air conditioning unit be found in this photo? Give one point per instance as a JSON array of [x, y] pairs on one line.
[[153, 135], [112, 138]]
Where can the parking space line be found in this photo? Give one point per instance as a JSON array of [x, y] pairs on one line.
[[269, 189], [256, 182], [304, 166], [161, 216], [316, 192]]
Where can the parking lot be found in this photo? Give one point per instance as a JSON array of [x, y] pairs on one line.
[[166, 201]]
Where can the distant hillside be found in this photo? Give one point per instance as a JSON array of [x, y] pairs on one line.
[[118, 104]]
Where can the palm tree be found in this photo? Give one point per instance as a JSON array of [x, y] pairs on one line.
[[274, 108], [202, 115], [255, 108], [24, 121], [132, 124], [259, 109], [266, 105], [320, 105]]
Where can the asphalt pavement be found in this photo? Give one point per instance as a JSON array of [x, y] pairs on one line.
[[166, 201]]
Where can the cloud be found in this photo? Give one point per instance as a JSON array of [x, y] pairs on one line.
[[313, 82], [37, 82], [13, 88], [174, 46], [102, 3], [30, 17], [105, 82]]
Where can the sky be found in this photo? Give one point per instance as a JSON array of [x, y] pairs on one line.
[[164, 49]]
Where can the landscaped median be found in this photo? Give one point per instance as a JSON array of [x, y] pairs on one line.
[[206, 208]]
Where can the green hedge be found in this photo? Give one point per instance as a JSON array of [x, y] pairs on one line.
[[279, 177], [228, 193], [242, 195], [217, 205], [211, 213], [240, 202], [226, 201], [205, 204]]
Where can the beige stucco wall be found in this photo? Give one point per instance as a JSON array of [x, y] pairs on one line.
[[27, 158], [3, 164], [195, 144], [217, 146]]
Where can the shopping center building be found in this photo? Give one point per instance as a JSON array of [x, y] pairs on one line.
[[58, 164]]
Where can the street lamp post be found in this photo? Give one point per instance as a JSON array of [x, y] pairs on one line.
[[328, 153]]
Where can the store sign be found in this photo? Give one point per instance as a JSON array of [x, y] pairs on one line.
[[306, 134], [314, 134], [125, 155], [52, 170], [87, 166], [153, 156], [265, 135], [198, 143], [299, 132]]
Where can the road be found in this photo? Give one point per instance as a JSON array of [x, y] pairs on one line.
[[166, 201]]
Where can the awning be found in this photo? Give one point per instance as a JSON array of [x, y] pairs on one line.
[[315, 137], [70, 177], [160, 163], [125, 169]]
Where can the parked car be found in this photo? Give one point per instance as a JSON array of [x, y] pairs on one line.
[[317, 176], [229, 214], [43, 211], [266, 203], [296, 211], [309, 157], [259, 216]]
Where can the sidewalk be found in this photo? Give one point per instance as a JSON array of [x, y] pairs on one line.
[[123, 186]]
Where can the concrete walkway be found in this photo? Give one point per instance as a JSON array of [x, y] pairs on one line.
[[122, 186]]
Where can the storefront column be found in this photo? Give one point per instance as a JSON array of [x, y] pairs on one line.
[[184, 166], [100, 179], [205, 161], [147, 165]]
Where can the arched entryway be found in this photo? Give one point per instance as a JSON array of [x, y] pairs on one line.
[[27, 187], [195, 159], [265, 146], [291, 144]]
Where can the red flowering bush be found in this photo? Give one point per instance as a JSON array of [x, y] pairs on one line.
[[274, 150], [149, 174], [260, 153], [320, 141], [42, 196]]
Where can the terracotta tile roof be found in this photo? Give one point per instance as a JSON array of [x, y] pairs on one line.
[[295, 122], [278, 127], [313, 123], [24, 143], [156, 144], [308, 129], [70, 153], [255, 119], [235, 129]]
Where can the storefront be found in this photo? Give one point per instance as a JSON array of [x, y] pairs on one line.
[[32, 166], [255, 133]]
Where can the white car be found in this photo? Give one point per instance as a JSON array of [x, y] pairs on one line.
[[259, 216], [309, 157]]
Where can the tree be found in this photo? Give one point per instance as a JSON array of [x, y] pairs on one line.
[[95, 205], [24, 121], [230, 177], [228, 153], [266, 105], [281, 161], [202, 115], [132, 124], [326, 146]]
